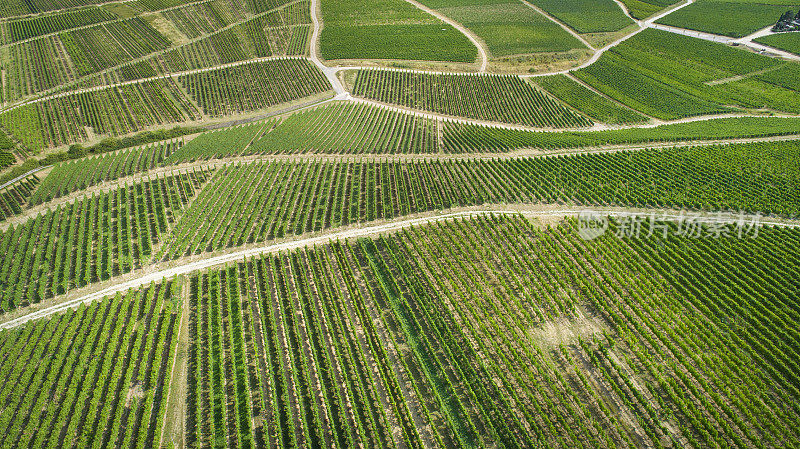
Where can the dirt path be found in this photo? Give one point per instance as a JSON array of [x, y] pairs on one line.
[[167, 270], [175, 409], [483, 52], [744, 76]]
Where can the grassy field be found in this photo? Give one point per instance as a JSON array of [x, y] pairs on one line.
[[389, 29], [784, 41], [507, 27], [586, 16], [669, 76], [727, 18]]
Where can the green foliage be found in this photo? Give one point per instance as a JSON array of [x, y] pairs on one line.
[[15, 197], [670, 76], [280, 199], [597, 107], [92, 239], [389, 29], [783, 41], [724, 17], [642, 9], [586, 16], [507, 27], [108, 370], [28, 28], [506, 99], [219, 92], [73, 176]]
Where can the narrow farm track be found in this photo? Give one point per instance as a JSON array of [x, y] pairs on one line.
[[157, 273], [330, 73], [23, 176], [643, 24], [483, 52]]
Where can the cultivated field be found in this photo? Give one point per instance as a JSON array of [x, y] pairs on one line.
[[399, 224]]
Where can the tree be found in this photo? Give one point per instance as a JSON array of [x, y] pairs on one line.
[[76, 150]]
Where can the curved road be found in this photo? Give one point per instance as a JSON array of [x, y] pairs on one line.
[[334, 235]]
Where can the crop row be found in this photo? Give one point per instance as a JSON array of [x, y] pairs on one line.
[[195, 20], [91, 377], [49, 62], [11, 8], [15, 197], [91, 239], [28, 28], [255, 202], [346, 128], [641, 73], [117, 111], [578, 332], [494, 331], [254, 86], [217, 144], [506, 99], [274, 342], [279, 31], [68, 177]]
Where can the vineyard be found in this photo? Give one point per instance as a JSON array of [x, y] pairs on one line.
[[24, 29], [643, 73], [94, 376], [15, 197], [220, 92], [117, 110], [73, 176], [399, 224], [92, 239], [505, 99], [249, 203], [595, 106], [457, 347]]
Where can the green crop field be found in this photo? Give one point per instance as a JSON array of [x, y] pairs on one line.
[[675, 77], [505, 99], [735, 18], [586, 16], [398, 224], [642, 9], [784, 41], [507, 27], [596, 106], [389, 29]]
